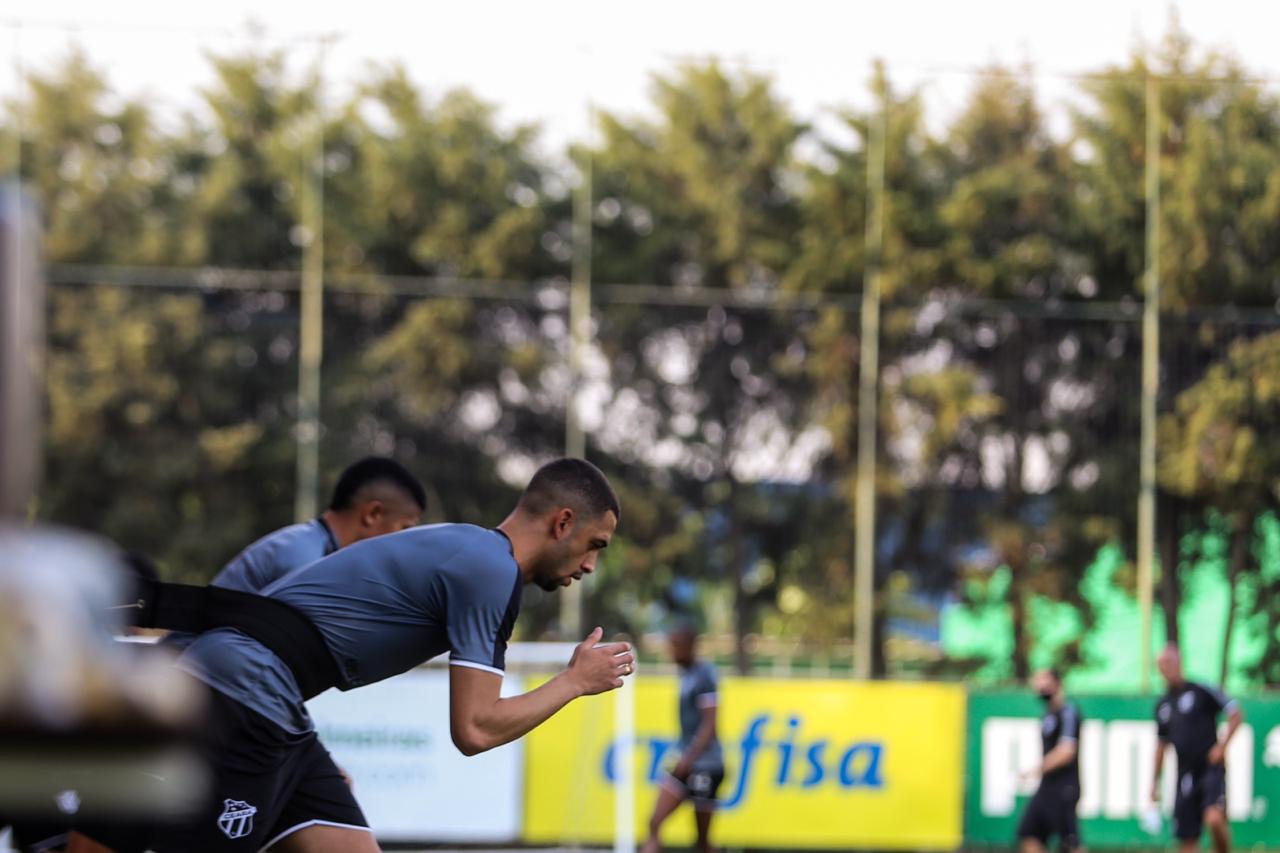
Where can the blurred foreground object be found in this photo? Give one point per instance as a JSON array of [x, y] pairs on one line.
[[89, 726], [21, 349], [79, 710]]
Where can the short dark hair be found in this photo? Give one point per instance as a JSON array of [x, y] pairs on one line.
[[685, 625], [376, 469], [574, 483], [1055, 673]]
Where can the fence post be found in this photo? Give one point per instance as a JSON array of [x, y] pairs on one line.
[[575, 441], [1150, 384], [868, 387], [311, 314]]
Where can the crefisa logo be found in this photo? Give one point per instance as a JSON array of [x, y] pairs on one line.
[[797, 762]]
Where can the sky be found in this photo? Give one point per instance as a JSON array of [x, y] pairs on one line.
[[547, 61]]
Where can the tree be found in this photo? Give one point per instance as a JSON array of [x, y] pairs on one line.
[[436, 189], [92, 162], [701, 197], [925, 414], [1217, 172], [1217, 448]]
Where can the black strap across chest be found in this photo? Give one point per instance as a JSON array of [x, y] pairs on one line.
[[280, 627]]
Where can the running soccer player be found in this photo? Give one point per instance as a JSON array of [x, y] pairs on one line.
[[1187, 717], [383, 606], [374, 496], [700, 770], [1051, 813]]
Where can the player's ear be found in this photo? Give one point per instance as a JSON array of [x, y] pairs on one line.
[[373, 513], [562, 523]]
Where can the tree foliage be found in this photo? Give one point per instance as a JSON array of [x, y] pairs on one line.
[[722, 395]]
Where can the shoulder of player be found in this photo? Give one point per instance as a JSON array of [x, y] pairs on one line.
[[706, 670], [284, 539], [262, 550], [1218, 696], [1202, 689], [480, 555], [1207, 689]]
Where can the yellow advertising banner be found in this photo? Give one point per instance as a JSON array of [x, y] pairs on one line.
[[820, 764]]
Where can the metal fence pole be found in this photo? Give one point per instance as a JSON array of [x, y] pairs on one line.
[[1150, 384], [311, 316], [575, 440], [868, 388]]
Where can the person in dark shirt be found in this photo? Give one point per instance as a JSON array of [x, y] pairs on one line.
[[1187, 718], [1051, 813], [700, 771]]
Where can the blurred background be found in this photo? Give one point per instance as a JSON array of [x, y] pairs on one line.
[[937, 342]]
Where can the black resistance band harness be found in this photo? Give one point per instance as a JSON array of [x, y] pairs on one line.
[[280, 627]]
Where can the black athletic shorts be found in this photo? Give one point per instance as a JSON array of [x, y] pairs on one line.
[[700, 787], [39, 836], [1051, 813], [267, 784], [1198, 789]]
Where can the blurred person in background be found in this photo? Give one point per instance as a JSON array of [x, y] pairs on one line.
[[698, 774], [1187, 718], [374, 496], [1051, 813]]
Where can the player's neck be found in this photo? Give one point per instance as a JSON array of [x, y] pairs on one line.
[[339, 526], [522, 539]]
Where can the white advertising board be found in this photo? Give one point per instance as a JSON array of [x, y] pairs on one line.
[[392, 738]]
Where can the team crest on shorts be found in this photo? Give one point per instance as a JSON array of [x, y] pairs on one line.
[[236, 820]]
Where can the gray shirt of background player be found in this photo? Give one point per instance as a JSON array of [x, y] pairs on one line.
[[267, 560], [383, 606], [275, 555], [698, 690]]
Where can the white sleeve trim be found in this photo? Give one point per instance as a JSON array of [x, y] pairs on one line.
[[473, 665], [708, 700], [291, 830]]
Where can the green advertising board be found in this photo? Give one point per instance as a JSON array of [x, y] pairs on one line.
[[1117, 754]]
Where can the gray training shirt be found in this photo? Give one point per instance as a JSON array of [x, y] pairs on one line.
[[383, 606], [267, 560], [698, 686], [276, 554]]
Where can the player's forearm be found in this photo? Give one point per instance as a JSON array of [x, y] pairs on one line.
[[513, 717], [1233, 722], [1060, 756], [1158, 770]]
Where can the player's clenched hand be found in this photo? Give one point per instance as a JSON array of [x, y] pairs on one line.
[[598, 668]]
